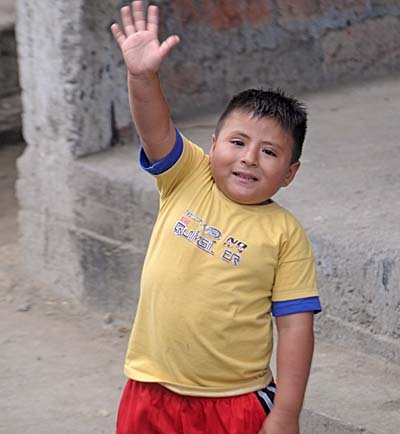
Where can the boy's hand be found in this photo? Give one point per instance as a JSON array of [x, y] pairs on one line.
[[275, 424], [142, 51]]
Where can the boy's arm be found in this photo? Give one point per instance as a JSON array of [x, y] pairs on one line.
[[294, 355], [143, 55]]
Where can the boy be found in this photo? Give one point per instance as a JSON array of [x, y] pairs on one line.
[[222, 256]]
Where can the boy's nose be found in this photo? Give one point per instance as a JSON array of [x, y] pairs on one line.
[[249, 157]]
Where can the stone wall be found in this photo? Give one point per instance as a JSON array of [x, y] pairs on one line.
[[297, 45]]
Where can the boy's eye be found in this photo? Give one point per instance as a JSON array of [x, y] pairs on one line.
[[237, 142], [269, 152]]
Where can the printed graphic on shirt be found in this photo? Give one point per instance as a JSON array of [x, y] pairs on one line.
[[231, 242], [207, 237]]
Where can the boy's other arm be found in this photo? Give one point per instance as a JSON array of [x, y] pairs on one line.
[[143, 55], [294, 355]]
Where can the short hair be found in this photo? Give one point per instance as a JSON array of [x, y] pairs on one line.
[[290, 113]]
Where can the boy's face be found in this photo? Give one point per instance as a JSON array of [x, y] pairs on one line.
[[251, 158]]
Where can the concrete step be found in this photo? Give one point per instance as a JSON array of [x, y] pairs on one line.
[[351, 392]]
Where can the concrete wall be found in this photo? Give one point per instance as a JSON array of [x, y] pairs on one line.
[[86, 215]]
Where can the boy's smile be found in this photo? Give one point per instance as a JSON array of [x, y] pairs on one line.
[[250, 158]]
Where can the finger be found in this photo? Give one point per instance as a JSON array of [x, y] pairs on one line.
[[168, 45], [152, 19], [138, 15], [127, 20], [117, 33]]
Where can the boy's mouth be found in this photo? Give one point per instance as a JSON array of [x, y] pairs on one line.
[[245, 176]]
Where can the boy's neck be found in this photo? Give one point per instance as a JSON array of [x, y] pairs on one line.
[[265, 202]]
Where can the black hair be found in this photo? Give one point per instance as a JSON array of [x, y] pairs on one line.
[[290, 113]]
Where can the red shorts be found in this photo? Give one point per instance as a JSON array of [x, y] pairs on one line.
[[149, 408]]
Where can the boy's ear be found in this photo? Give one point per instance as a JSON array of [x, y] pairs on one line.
[[213, 142], [291, 173]]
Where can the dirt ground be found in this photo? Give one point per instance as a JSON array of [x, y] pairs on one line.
[[60, 364]]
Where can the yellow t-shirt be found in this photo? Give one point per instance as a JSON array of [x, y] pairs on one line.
[[213, 268]]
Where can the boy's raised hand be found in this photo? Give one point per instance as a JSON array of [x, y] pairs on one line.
[[142, 51]]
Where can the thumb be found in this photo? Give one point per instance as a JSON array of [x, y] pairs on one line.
[[168, 45]]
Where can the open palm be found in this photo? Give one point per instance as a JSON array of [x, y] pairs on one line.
[[142, 51]]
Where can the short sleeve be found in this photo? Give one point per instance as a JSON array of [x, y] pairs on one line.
[[295, 275], [184, 160], [289, 307], [167, 162]]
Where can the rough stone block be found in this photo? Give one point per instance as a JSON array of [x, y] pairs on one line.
[[114, 198], [386, 4], [102, 273], [111, 273], [88, 240], [74, 83], [297, 9], [49, 254], [366, 285], [366, 49], [185, 79], [224, 14], [357, 5]]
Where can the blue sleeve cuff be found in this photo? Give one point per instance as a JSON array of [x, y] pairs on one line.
[[167, 162], [309, 304]]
